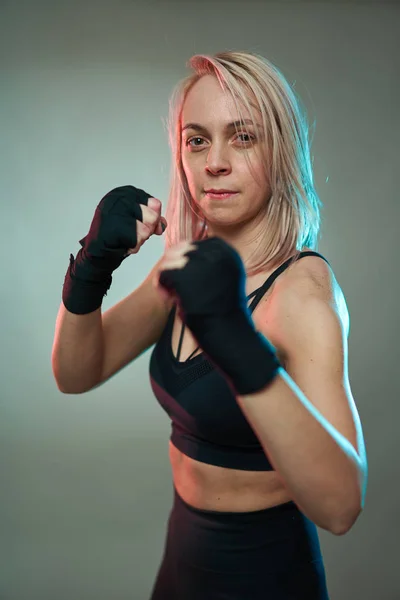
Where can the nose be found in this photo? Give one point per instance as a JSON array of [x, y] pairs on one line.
[[217, 161]]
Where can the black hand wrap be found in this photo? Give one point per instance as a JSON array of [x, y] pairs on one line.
[[212, 302], [112, 233]]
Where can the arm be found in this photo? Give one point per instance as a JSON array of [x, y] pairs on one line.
[[89, 349], [306, 419], [78, 349]]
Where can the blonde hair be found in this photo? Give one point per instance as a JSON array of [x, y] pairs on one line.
[[293, 217]]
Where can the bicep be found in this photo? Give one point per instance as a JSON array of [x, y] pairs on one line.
[[313, 337]]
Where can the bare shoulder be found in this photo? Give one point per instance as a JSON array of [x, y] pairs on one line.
[[311, 276]]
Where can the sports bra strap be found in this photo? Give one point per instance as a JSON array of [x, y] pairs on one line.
[[258, 293]]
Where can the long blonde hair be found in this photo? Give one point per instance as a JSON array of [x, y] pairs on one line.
[[293, 212]]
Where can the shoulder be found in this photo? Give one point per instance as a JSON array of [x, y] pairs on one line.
[[310, 275], [308, 289]]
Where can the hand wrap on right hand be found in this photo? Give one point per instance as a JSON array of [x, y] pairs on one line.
[[112, 233]]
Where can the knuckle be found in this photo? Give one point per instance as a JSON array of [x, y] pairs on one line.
[[155, 203], [153, 219], [143, 230]]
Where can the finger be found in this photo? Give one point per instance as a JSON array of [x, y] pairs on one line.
[[161, 227], [151, 216], [179, 250], [177, 263], [154, 204], [165, 266]]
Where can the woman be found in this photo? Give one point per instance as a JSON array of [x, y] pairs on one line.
[[266, 441]]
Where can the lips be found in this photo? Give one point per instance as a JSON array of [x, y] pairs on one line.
[[221, 192], [220, 196]]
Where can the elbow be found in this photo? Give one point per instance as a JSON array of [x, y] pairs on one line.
[[70, 390], [72, 387], [349, 510], [349, 507], [342, 523]]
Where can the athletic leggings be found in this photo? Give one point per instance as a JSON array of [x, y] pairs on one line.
[[269, 554]]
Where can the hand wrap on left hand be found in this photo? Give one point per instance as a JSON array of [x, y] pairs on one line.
[[211, 292]]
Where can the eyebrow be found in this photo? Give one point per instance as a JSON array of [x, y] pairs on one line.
[[228, 126]]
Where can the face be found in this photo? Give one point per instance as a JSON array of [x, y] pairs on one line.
[[215, 156]]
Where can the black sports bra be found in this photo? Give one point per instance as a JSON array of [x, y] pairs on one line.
[[206, 421]]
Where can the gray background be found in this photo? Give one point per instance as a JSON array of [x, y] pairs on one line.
[[85, 480]]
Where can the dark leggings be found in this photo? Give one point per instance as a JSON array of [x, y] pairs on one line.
[[270, 554]]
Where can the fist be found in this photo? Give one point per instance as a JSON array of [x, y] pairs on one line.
[[206, 277], [174, 258]]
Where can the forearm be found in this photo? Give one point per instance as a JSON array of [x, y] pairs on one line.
[[78, 350], [320, 468]]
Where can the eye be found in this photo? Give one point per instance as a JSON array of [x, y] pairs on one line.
[[191, 140], [200, 138], [252, 137]]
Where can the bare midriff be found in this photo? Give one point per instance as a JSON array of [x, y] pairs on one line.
[[209, 487]]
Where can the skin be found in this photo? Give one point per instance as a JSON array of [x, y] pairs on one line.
[[219, 159]]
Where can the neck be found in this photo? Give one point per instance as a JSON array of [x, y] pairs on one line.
[[244, 240]]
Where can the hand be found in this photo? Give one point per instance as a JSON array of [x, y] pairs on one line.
[[208, 280], [153, 224], [174, 258], [206, 277], [124, 219]]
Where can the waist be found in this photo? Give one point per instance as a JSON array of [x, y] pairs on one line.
[[211, 487]]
